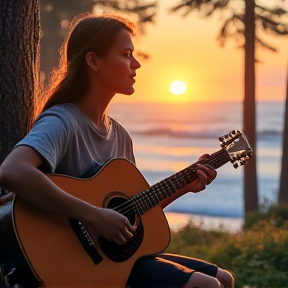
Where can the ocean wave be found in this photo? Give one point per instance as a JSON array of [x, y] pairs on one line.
[[179, 134], [269, 133], [264, 134]]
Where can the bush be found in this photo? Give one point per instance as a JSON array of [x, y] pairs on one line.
[[257, 257], [276, 215]]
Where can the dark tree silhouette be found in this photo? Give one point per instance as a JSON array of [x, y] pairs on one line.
[[244, 23], [19, 53], [283, 189], [56, 16]]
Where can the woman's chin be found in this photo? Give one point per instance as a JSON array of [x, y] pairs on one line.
[[128, 91]]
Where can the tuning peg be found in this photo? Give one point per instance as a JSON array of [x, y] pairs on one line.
[[235, 165], [221, 139]]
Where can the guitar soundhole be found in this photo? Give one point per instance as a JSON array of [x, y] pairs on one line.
[[121, 253]]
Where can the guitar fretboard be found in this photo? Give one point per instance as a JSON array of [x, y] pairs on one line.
[[151, 197]]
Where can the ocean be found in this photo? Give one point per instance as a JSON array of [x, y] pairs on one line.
[[168, 137]]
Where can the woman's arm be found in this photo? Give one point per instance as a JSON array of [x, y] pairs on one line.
[[19, 174], [6, 198]]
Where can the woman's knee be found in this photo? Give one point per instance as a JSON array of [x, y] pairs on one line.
[[225, 278], [201, 280]]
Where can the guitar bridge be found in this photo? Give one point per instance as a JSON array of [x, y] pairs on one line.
[[85, 240]]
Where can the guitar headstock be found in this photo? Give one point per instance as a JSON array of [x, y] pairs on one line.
[[237, 146]]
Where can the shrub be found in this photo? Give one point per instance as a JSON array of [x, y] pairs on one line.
[[257, 257]]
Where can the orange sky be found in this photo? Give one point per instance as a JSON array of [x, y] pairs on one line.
[[186, 49]]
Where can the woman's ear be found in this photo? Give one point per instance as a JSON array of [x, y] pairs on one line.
[[92, 61]]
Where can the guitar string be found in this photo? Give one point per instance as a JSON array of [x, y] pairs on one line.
[[131, 207], [146, 200], [186, 173]]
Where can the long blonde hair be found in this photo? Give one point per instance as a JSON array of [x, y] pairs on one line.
[[88, 32]]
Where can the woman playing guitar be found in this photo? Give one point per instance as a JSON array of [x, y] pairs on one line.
[[74, 136]]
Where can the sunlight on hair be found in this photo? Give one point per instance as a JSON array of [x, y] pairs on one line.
[[98, 10]]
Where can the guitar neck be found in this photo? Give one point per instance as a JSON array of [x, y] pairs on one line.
[[151, 197]]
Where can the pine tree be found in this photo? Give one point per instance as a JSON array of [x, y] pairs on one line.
[[283, 189], [245, 20], [56, 16]]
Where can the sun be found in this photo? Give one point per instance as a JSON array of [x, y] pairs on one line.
[[177, 87]]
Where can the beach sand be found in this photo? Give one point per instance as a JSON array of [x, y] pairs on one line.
[[179, 220]]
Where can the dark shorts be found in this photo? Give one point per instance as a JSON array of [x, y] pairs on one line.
[[167, 270]]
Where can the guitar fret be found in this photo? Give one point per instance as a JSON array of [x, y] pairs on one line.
[[155, 202], [154, 195], [158, 192], [167, 190], [188, 179], [172, 185], [139, 204], [149, 203], [161, 192], [168, 193], [145, 200], [136, 206], [177, 185]]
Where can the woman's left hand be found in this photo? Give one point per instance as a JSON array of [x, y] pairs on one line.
[[206, 174]]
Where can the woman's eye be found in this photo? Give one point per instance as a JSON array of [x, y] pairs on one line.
[[128, 55]]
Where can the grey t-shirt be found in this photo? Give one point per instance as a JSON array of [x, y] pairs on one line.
[[72, 145]]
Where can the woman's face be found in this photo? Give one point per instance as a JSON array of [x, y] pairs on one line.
[[117, 70]]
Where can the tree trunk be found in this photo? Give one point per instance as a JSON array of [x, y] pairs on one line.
[[19, 54], [249, 113], [283, 190]]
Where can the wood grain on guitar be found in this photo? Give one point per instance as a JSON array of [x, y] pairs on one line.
[[62, 253]]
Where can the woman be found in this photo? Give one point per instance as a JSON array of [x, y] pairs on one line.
[[74, 136]]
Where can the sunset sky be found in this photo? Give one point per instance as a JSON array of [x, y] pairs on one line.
[[186, 49]]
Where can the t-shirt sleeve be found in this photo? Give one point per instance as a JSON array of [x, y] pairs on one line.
[[49, 137], [125, 142], [131, 156]]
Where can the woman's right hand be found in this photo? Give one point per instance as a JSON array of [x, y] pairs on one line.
[[111, 225]]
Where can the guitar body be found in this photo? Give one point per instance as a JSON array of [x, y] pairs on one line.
[[61, 252], [54, 251]]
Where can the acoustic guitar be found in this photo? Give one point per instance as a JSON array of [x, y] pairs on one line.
[[61, 252]]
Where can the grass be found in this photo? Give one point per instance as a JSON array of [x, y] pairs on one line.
[[257, 257]]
